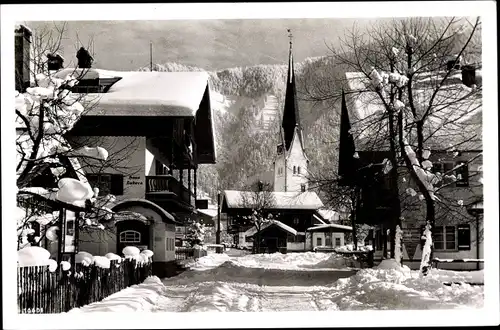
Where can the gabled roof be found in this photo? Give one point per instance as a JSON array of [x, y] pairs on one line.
[[252, 231], [455, 119], [139, 93], [318, 219], [333, 226], [308, 200]]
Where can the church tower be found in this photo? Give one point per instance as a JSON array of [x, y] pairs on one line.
[[290, 166]]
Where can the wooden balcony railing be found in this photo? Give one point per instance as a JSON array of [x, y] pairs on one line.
[[167, 183]]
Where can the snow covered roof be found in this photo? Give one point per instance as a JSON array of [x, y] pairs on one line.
[[210, 212], [139, 93], [319, 219], [280, 200], [455, 118], [328, 215], [252, 231], [329, 226]]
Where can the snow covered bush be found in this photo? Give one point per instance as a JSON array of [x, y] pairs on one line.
[[196, 233]]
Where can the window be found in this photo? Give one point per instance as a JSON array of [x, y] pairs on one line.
[[295, 221], [450, 238], [160, 168], [130, 236], [70, 227], [294, 170], [464, 237], [337, 241], [438, 238], [443, 167], [445, 238], [300, 238], [107, 183], [462, 174], [319, 241], [302, 187], [298, 170]]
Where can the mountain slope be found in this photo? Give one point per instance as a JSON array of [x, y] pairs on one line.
[[242, 97]]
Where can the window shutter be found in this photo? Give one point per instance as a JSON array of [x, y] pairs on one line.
[[464, 237], [116, 184]]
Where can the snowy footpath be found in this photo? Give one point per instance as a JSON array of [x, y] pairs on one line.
[[294, 282]]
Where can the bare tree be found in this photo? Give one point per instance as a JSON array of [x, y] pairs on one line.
[[259, 201], [45, 114], [414, 98]]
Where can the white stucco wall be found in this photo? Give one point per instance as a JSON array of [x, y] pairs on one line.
[[150, 164], [296, 246], [170, 248], [323, 239], [127, 155], [295, 158]]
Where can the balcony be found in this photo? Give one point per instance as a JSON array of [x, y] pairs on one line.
[[163, 189]]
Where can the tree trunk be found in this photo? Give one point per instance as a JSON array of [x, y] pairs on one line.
[[354, 213], [395, 214], [430, 209], [384, 238]]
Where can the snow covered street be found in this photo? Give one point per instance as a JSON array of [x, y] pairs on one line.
[[294, 282]]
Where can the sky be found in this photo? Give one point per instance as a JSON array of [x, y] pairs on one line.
[[209, 44]]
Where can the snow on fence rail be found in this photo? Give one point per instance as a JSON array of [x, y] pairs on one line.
[[183, 253], [43, 292]]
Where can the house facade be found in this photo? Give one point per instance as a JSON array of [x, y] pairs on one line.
[[455, 151], [157, 129]]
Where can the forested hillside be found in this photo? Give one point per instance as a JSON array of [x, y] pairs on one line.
[[243, 151]]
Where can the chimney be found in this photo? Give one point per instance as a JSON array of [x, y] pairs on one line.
[[54, 62], [84, 58], [22, 44], [469, 75]]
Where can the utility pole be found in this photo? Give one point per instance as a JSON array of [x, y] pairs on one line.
[[217, 236], [151, 56]]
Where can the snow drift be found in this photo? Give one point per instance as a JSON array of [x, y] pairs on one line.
[[137, 298]]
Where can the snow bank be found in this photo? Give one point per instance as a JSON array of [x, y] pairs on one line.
[[137, 298], [291, 261], [207, 262], [391, 286]]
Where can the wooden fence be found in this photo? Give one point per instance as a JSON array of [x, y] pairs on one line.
[[183, 253], [43, 292]]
